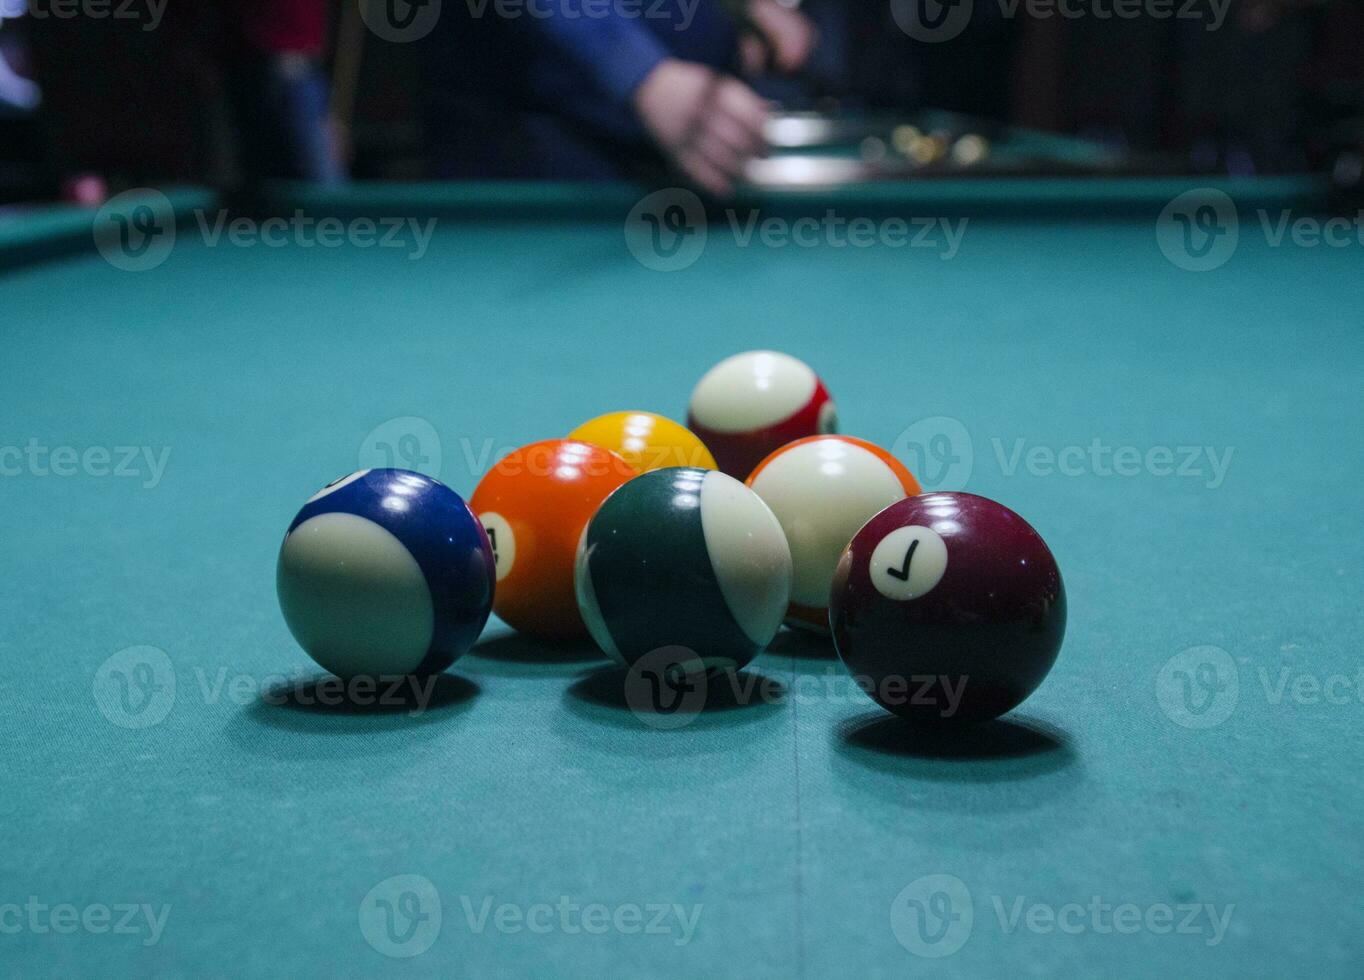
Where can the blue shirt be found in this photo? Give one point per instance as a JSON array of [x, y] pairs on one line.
[[581, 60]]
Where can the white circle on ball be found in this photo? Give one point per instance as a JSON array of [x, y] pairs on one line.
[[502, 538], [908, 562], [337, 484]]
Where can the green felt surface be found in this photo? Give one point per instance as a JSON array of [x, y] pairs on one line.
[[39, 232], [794, 825]]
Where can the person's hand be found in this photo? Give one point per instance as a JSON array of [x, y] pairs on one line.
[[788, 37], [708, 124]]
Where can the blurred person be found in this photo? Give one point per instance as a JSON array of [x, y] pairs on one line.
[[561, 93], [18, 94], [279, 91], [141, 99]]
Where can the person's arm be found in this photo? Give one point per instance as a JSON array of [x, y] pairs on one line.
[[616, 51], [706, 122], [781, 38]]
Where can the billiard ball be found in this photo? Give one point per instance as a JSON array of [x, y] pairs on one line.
[[750, 404], [822, 489], [684, 558], [646, 441], [948, 608], [534, 505], [385, 572]]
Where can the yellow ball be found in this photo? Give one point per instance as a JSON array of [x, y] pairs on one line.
[[647, 441]]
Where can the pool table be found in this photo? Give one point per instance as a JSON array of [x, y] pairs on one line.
[[1168, 387]]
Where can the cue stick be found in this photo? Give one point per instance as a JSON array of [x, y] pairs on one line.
[[350, 49]]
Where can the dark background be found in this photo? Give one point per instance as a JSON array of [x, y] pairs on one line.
[[1265, 93]]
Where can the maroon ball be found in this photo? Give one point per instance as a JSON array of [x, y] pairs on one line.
[[948, 608]]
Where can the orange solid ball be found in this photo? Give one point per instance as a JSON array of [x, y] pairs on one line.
[[534, 505]]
